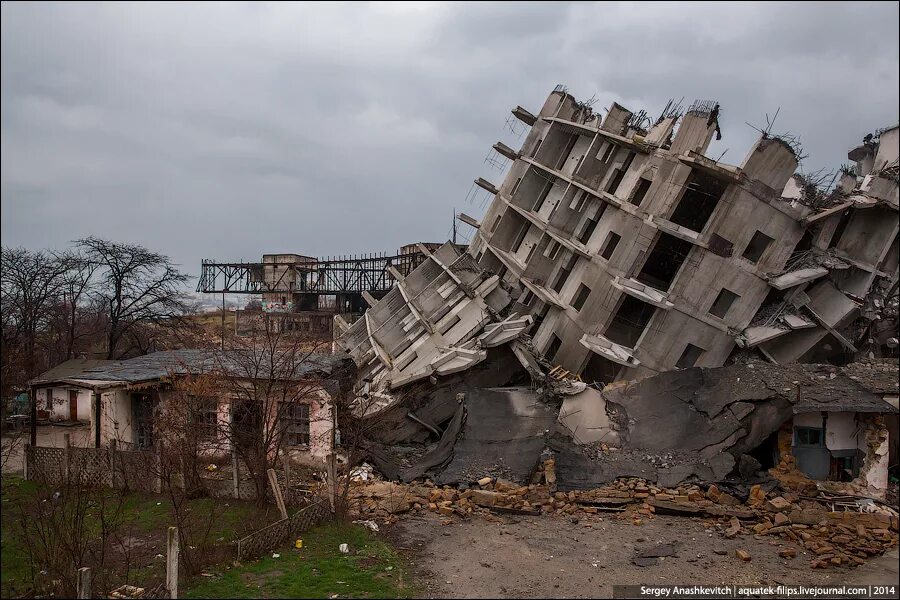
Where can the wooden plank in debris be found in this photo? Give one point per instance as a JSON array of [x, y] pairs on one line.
[[513, 511], [664, 507], [599, 502]]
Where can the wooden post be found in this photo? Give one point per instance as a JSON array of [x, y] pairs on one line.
[[32, 393], [83, 583], [287, 471], [235, 475], [172, 562], [276, 491], [158, 484], [67, 459], [113, 450], [332, 480], [26, 458]]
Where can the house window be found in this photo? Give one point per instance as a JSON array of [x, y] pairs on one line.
[[297, 425], [553, 347], [581, 297], [757, 246], [689, 356], [640, 191], [809, 436], [723, 302], [207, 418], [50, 399], [609, 246]]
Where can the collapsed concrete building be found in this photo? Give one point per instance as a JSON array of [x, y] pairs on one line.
[[636, 254], [614, 252]]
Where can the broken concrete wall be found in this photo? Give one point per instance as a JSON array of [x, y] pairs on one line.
[[699, 422]]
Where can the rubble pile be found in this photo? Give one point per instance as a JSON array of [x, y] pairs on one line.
[[831, 533]]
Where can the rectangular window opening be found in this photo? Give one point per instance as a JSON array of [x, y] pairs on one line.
[[640, 191], [689, 356], [564, 273], [723, 303], [581, 297], [757, 246], [552, 348], [297, 424], [609, 246]]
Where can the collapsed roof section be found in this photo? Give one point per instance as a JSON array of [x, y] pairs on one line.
[[438, 320]]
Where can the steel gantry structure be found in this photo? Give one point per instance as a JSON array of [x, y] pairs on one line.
[[347, 275]]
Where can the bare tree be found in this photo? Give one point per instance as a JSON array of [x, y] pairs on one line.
[[76, 285], [31, 282], [136, 286], [270, 380]]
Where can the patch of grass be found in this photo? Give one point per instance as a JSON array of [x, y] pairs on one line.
[[371, 570], [146, 516], [15, 569]]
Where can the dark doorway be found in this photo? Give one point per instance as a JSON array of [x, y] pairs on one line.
[[73, 405], [142, 406]]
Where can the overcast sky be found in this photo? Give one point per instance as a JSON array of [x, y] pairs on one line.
[[232, 130]]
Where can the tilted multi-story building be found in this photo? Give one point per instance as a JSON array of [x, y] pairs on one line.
[[637, 254]]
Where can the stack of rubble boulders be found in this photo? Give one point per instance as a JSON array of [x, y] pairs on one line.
[[833, 538]]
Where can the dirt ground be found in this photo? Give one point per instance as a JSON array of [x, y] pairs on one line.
[[552, 557]]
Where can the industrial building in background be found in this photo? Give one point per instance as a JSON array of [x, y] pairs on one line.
[[303, 293]]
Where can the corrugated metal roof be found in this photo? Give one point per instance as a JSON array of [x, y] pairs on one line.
[[179, 362], [67, 369]]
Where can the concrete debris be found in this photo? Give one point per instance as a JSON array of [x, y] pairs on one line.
[[807, 524]]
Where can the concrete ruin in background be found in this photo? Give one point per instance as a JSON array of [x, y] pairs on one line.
[[614, 252]]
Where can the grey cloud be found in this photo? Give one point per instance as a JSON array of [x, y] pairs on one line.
[[230, 130]]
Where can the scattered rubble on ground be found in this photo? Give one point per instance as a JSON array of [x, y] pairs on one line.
[[830, 534]]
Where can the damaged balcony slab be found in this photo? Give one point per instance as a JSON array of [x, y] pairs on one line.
[[722, 171], [753, 336], [524, 116], [688, 235], [638, 290], [797, 322], [505, 331], [795, 278], [611, 350]]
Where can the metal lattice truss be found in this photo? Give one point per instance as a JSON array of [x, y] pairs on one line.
[[348, 275]]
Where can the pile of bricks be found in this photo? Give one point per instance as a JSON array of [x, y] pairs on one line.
[[831, 538]]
